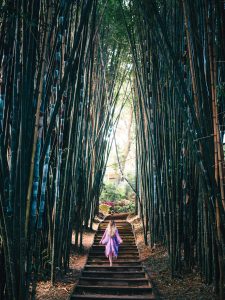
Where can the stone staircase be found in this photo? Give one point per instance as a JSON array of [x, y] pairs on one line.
[[126, 279]]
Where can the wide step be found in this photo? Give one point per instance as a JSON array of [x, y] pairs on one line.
[[121, 255], [115, 263], [122, 250], [114, 274], [113, 281], [106, 297], [114, 290], [125, 279], [113, 268]]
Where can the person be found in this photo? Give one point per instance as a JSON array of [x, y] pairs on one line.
[[111, 239]]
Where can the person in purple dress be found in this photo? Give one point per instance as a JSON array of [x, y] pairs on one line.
[[111, 239]]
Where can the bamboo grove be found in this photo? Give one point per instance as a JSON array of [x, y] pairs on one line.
[[178, 55], [56, 110], [63, 64]]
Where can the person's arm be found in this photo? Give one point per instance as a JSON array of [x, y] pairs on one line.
[[118, 237], [103, 237]]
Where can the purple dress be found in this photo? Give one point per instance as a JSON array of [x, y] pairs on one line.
[[111, 243]]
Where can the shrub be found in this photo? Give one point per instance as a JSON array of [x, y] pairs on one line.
[[116, 196], [111, 192]]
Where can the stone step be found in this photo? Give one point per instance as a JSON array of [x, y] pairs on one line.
[[110, 296], [121, 251], [114, 274], [108, 281], [125, 279], [115, 264], [114, 290], [121, 255], [107, 268], [122, 247]]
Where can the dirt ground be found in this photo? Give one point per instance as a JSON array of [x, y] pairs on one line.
[[64, 285], [156, 263]]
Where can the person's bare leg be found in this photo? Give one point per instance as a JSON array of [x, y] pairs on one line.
[[110, 259]]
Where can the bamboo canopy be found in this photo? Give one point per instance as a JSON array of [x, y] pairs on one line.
[[63, 64]]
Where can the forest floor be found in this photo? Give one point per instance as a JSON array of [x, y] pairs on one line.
[[64, 284], [156, 263]]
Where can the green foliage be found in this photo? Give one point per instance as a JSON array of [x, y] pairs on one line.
[[121, 196], [113, 21], [112, 193], [221, 90], [122, 207], [114, 30]]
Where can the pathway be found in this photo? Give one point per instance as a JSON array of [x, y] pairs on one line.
[[126, 279]]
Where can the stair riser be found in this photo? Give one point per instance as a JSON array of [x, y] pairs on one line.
[[113, 291], [115, 260], [118, 277], [122, 224], [114, 275], [121, 235], [125, 242], [130, 243], [118, 225], [122, 246], [116, 221], [121, 231], [114, 268], [111, 297], [120, 255], [121, 251], [116, 264], [125, 239], [113, 283], [124, 235], [119, 258]]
